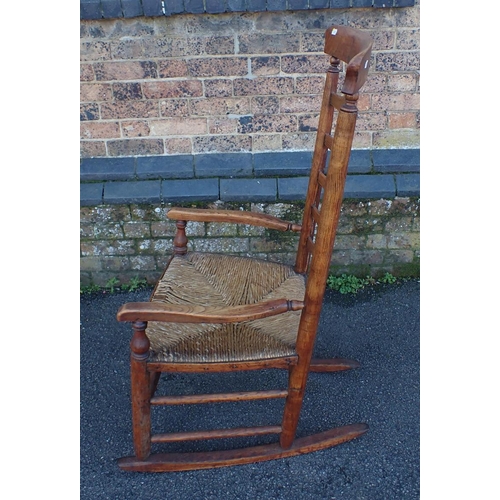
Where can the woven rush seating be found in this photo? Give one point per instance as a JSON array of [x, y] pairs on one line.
[[216, 281]]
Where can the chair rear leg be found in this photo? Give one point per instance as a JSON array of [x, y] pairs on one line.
[[141, 391], [297, 379]]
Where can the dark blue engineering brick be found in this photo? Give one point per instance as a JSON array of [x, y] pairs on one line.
[[340, 4], [215, 6], [190, 190], [404, 3], [383, 3], [298, 4], [223, 165], [407, 184], [104, 169], [256, 5], [319, 4], [289, 163], [360, 161], [132, 8], [362, 3], [236, 5], [292, 188], [273, 5], [90, 9], [246, 190], [396, 160], [152, 8], [194, 6], [174, 7], [91, 194], [165, 167], [132, 192], [370, 186], [111, 9]]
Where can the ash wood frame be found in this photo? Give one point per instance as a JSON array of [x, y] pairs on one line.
[[317, 235]]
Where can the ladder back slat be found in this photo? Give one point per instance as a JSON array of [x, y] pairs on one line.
[[322, 179], [328, 141], [315, 213], [310, 245]]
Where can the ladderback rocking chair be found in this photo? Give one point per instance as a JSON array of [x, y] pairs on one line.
[[221, 313]]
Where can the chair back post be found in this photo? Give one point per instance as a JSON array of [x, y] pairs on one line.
[[324, 201]]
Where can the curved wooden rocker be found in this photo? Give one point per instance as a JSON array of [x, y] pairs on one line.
[[222, 313]]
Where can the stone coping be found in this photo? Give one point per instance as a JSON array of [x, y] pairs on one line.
[[114, 9]]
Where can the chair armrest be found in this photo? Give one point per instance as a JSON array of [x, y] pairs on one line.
[[173, 313], [235, 216]]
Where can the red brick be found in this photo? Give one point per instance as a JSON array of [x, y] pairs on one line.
[[178, 145], [220, 106], [129, 109], [272, 85], [265, 105], [301, 141], [265, 65], [130, 70], [395, 102], [178, 126], [94, 51], [222, 126], [172, 88], [217, 66], [89, 149], [136, 128], [402, 120], [99, 130], [89, 111], [309, 84], [270, 123], [222, 143], [300, 104], [371, 121], [262, 43], [218, 88], [312, 42], [174, 107], [94, 92], [304, 64], [133, 147], [172, 68], [266, 142], [86, 73]]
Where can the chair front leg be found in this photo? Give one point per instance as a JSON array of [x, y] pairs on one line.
[[141, 391]]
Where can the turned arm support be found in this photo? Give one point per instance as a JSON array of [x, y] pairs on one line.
[[173, 313], [234, 216]]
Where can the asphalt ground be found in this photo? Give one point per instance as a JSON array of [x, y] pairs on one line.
[[379, 327]]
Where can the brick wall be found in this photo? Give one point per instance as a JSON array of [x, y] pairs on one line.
[[222, 108], [191, 84]]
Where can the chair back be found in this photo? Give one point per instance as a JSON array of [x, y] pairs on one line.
[[327, 178]]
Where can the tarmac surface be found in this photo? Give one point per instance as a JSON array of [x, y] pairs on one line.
[[379, 327]]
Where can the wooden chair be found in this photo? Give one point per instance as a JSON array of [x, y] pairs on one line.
[[221, 313]]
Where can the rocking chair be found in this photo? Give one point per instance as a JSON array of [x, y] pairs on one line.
[[221, 313]]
